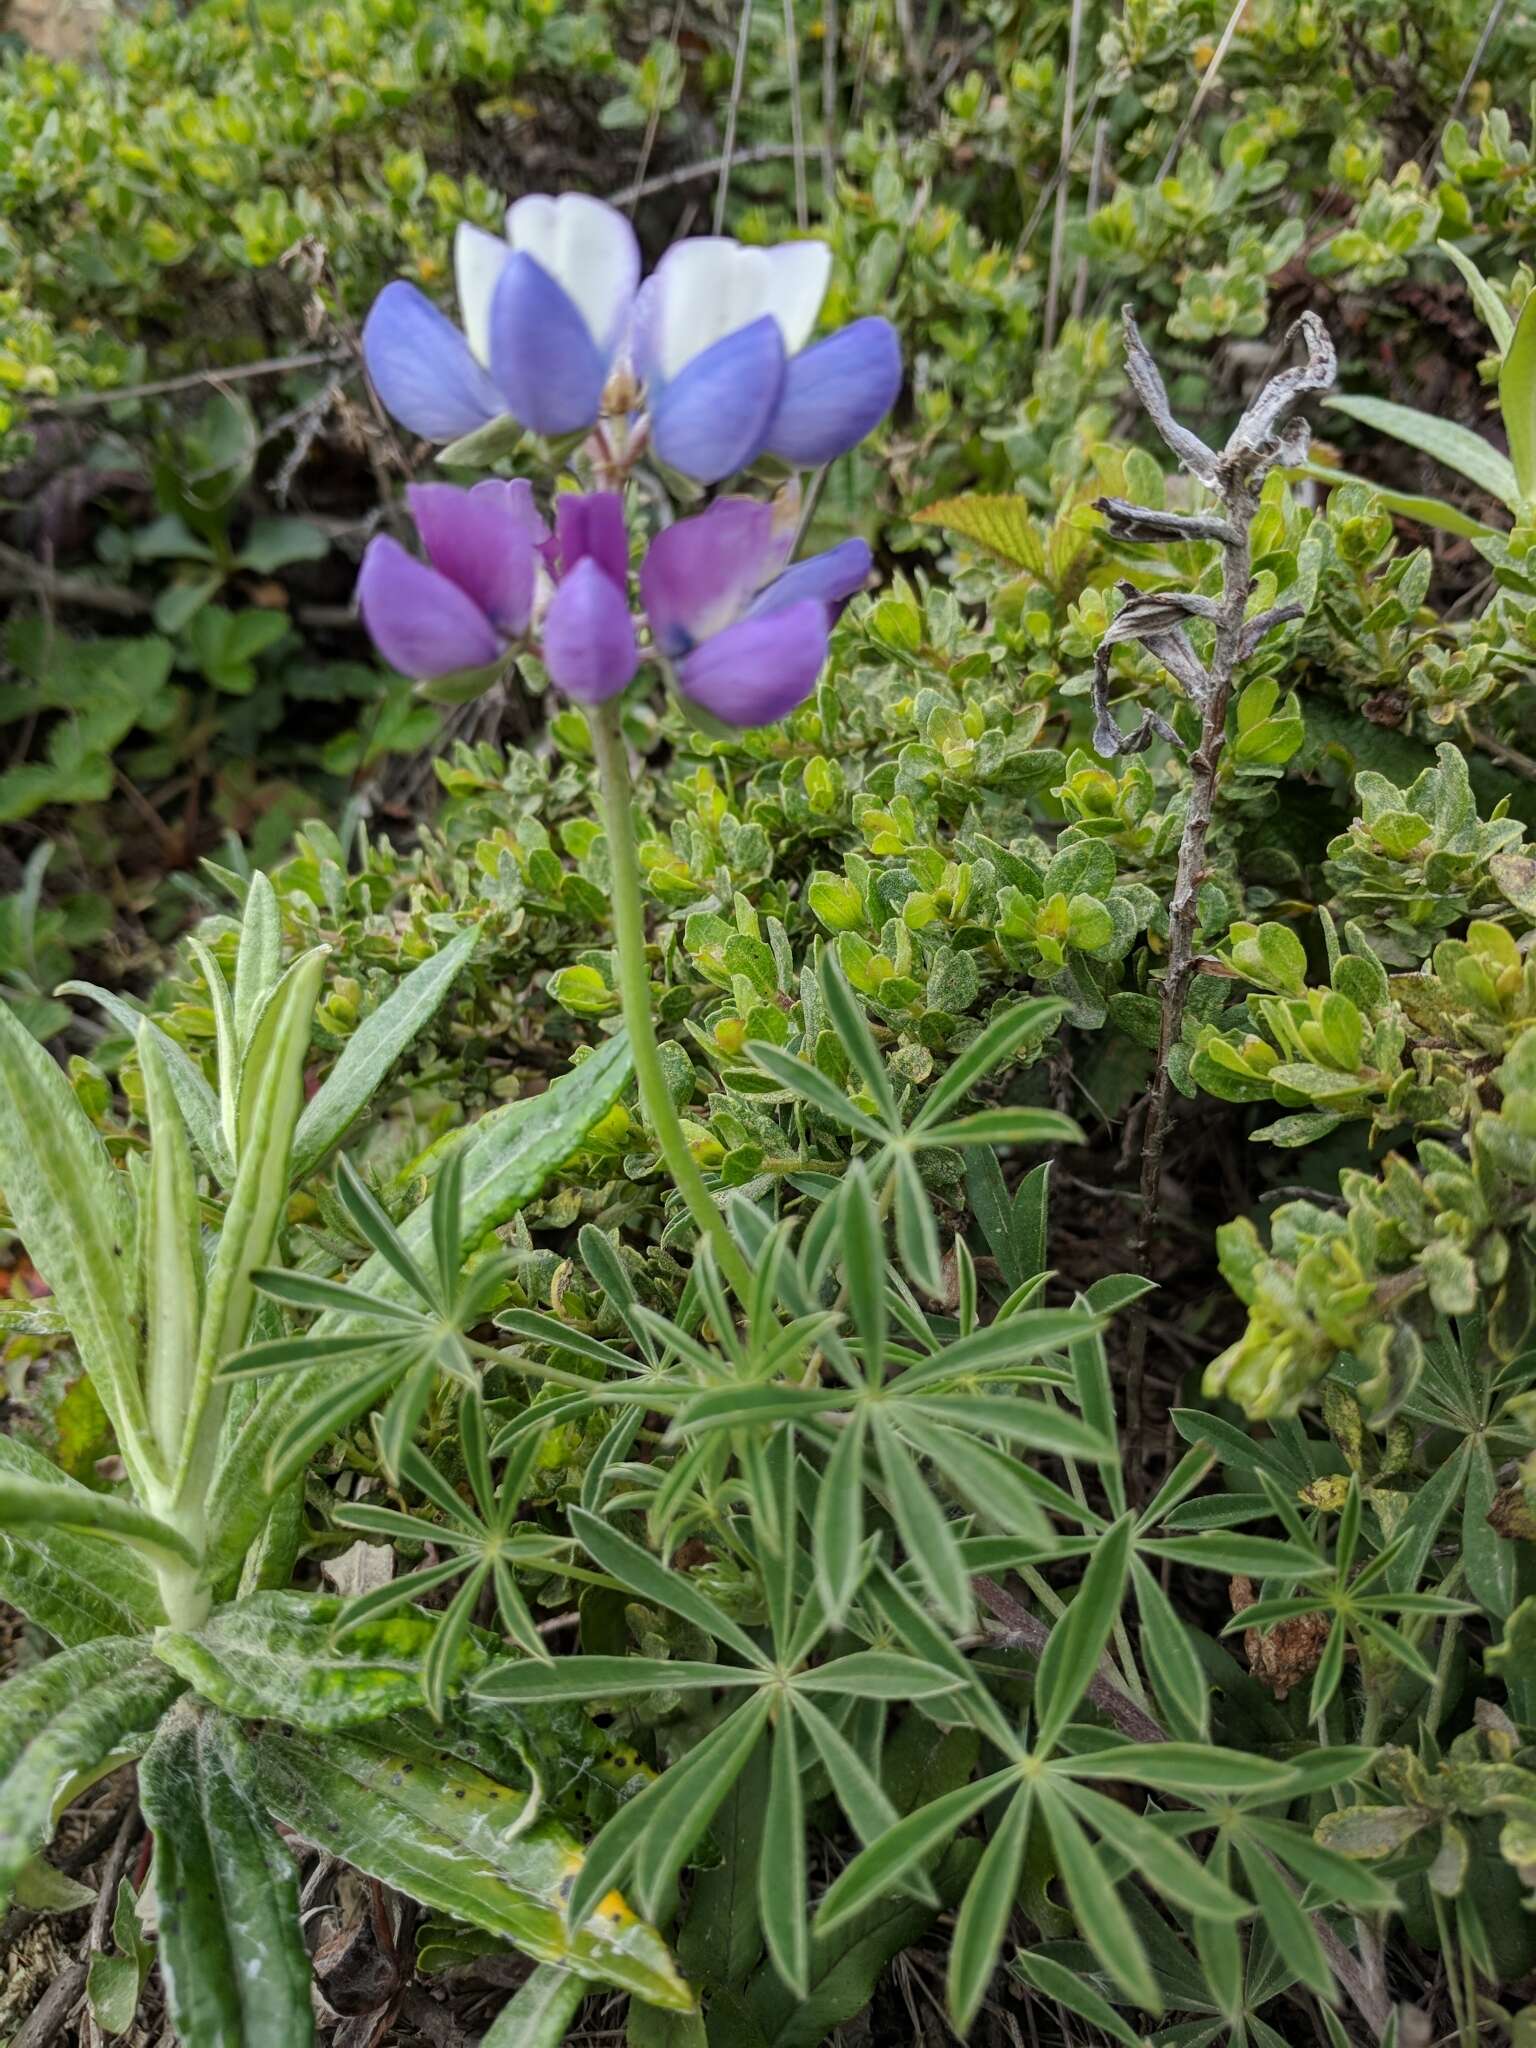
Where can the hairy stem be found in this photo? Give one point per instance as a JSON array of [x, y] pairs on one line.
[[1183, 917], [628, 913]]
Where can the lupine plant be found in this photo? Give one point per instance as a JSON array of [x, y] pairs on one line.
[[756, 1581]]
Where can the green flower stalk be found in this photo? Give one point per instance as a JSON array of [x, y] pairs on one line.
[[606, 722]]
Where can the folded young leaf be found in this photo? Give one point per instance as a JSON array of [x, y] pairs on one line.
[[373, 1048], [231, 1954], [74, 1214]]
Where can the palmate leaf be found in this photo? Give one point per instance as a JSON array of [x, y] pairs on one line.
[[232, 1959], [983, 1918], [1077, 1642], [508, 1158], [1517, 400], [387, 1802]]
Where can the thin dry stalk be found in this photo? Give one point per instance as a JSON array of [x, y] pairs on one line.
[[796, 115], [1202, 92], [1063, 175], [738, 82]]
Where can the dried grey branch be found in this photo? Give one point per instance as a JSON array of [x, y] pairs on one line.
[[1263, 437], [1255, 434], [1147, 381], [1142, 522], [1265, 622]]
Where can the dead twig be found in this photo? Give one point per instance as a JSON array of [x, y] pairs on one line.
[[1265, 436]]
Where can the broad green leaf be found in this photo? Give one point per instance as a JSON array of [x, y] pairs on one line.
[[1006, 1127], [75, 1585], [1517, 400], [540, 2013], [282, 1655], [988, 1906], [1155, 1856], [373, 1048], [1178, 1677], [232, 1958], [67, 1717], [997, 1486], [199, 1105], [672, 1814], [385, 1801], [781, 1876], [1458, 447], [508, 1158], [74, 1214], [1077, 1641], [113, 1982], [878, 1675], [1425, 511], [1184, 1768], [1289, 1928]]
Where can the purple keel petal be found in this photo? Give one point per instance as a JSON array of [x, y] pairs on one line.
[[421, 623], [589, 637], [832, 578], [699, 574], [482, 541], [711, 420], [422, 367], [836, 393], [589, 526], [758, 671], [542, 356]]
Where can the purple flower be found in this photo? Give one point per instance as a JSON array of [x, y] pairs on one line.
[[589, 636], [720, 343], [719, 337], [473, 596], [544, 313], [746, 636]]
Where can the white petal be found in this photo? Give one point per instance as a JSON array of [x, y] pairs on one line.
[[478, 261], [706, 288], [710, 286], [800, 274], [589, 249]]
